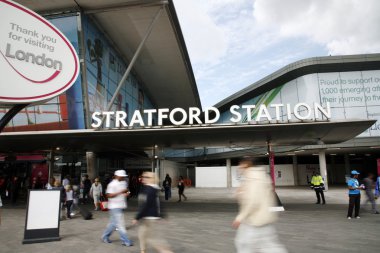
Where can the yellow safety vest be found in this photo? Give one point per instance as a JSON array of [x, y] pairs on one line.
[[316, 180]]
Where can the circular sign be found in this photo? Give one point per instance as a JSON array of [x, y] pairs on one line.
[[37, 62]]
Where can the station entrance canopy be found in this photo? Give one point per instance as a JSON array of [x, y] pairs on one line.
[[300, 133]]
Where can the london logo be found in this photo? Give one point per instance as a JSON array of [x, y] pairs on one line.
[[37, 62]]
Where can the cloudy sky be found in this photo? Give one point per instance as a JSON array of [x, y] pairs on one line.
[[234, 43]]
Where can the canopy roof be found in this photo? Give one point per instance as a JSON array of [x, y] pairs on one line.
[[163, 65]]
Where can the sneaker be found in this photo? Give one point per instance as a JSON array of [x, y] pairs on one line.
[[377, 212], [349, 217], [357, 217], [127, 244], [106, 240]]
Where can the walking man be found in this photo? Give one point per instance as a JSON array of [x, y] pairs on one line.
[[318, 186], [116, 193], [254, 222], [368, 184]]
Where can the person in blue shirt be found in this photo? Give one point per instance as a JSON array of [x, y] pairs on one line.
[[377, 188], [354, 195]]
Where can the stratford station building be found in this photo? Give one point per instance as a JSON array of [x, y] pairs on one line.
[[135, 106]]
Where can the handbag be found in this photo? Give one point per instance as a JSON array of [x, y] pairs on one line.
[[103, 204]]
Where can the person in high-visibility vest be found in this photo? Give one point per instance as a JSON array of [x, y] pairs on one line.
[[318, 185]]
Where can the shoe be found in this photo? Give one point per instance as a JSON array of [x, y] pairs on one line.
[[318, 203], [357, 217], [377, 212], [324, 203], [127, 244], [349, 218], [106, 240]]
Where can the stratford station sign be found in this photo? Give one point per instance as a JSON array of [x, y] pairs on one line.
[[211, 115]]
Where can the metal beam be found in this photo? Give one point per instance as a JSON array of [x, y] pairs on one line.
[[131, 64]]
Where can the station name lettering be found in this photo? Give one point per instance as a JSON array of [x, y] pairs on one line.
[[211, 115]]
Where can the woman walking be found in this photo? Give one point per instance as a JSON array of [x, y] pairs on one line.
[[96, 192], [181, 188]]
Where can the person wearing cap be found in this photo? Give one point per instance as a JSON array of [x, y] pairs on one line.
[[116, 193], [354, 195]]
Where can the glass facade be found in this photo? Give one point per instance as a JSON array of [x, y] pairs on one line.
[[104, 70], [352, 95]]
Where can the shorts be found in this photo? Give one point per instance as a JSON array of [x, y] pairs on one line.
[[96, 198]]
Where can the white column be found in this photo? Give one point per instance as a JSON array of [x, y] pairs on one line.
[[229, 173], [92, 171], [323, 167], [295, 170]]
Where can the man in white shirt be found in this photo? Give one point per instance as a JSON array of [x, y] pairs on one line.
[[116, 193]]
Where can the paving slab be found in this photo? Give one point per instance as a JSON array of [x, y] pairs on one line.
[[203, 224]]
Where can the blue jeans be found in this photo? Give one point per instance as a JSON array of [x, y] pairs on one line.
[[116, 221]]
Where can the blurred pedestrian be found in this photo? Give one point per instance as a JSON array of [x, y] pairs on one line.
[[69, 200], [254, 222], [377, 187], [1, 205], [116, 193], [354, 195], [368, 186], [181, 188], [86, 188], [318, 185], [96, 191], [167, 185], [66, 180], [149, 215], [50, 184], [58, 186]]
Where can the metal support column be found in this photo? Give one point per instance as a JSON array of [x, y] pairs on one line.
[[132, 63], [323, 167], [295, 170], [229, 173]]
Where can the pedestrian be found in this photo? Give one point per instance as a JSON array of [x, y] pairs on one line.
[[181, 188], [368, 186], [14, 189], [96, 191], [149, 215], [1, 205], [377, 187], [86, 188], [354, 195], [50, 184], [167, 185], [58, 186], [66, 180], [69, 200], [318, 185], [116, 193], [74, 207], [255, 232]]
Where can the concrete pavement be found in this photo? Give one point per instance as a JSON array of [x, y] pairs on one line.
[[203, 224]]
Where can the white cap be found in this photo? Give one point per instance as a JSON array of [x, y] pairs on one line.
[[120, 173]]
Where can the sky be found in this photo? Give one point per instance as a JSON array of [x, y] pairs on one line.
[[234, 43]]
